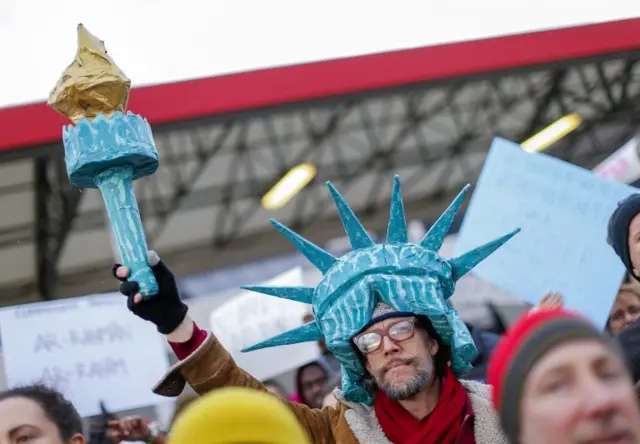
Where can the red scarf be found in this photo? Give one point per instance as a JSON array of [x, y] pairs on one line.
[[442, 425]]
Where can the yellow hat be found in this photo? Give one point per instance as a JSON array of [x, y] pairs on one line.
[[237, 415]]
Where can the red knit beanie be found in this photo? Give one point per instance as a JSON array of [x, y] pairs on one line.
[[527, 340]]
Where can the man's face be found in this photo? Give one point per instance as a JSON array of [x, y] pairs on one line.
[[634, 244], [625, 311], [401, 368], [22, 420], [312, 381], [579, 393]]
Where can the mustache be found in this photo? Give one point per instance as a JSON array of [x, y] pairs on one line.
[[395, 362]]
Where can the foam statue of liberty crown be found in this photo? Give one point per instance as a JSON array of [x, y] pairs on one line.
[[409, 277]]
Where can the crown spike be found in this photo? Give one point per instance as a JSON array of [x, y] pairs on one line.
[[297, 294], [397, 232], [320, 259], [461, 265], [434, 238], [358, 236], [306, 333]]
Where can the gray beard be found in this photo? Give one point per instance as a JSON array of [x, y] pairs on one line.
[[402, 392]]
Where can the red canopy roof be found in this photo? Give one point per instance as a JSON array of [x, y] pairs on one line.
[[36, 124]]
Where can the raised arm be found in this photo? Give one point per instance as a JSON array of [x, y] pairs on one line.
[[203, 362]]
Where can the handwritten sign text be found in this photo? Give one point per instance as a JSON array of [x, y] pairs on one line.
[[92, 349]]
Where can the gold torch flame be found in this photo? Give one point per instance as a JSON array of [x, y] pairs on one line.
[[92, 84]]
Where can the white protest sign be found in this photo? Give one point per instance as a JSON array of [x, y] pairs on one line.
[[563, 211], [91, 349], [250, 318]]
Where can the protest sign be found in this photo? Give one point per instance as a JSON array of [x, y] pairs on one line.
[[563, 211], [91, 349], [623, 165], [250, 318]]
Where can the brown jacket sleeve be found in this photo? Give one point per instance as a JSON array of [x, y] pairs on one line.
[[211, 367]]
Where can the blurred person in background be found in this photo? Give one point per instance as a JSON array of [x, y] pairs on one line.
[[623, 234], [38, 414], [485, 343], [557, 380], [275, 388], [623, 323], [624, 312], [134, 429], [98, 426], [310, 381], [137, 428], [237, 416]]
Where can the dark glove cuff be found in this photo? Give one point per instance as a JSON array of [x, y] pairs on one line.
[[173, 319]]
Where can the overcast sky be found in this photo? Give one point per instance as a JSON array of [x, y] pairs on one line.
[[157, 41]]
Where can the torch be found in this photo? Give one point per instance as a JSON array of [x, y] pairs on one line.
[[107, 147]]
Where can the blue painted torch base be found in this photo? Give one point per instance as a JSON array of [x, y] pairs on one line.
[[110, 152], [116, 186]]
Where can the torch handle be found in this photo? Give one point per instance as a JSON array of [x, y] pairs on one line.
[[116, 186]]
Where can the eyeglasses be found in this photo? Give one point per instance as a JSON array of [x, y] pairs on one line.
[[371, 340]]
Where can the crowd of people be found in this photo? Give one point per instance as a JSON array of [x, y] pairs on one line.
[[398, 365]]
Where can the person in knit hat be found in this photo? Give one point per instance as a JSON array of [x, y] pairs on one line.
[[384, 311], [237, 416], [623, 233], [557, 380]]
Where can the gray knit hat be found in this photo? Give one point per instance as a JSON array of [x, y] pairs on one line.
[[382, 309]]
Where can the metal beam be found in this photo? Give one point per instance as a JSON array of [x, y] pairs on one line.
[[43, 150], [539, 119], [333, 136], [193, 259]]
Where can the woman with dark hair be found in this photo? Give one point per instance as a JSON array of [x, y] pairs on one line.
[[40, 414], [310, 381]]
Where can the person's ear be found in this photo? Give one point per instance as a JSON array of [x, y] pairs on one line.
[[433, 346], [77, 439]]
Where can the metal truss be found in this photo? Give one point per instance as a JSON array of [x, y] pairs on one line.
[[56, 205], [443, 124]]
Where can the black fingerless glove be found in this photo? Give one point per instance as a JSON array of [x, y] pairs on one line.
[[165, 309]]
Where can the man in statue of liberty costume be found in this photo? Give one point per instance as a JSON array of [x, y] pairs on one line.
[[384, 311]]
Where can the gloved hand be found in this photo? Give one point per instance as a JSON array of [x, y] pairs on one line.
[[165, 309]]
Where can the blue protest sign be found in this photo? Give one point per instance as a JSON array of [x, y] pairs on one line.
[[563, 212]]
